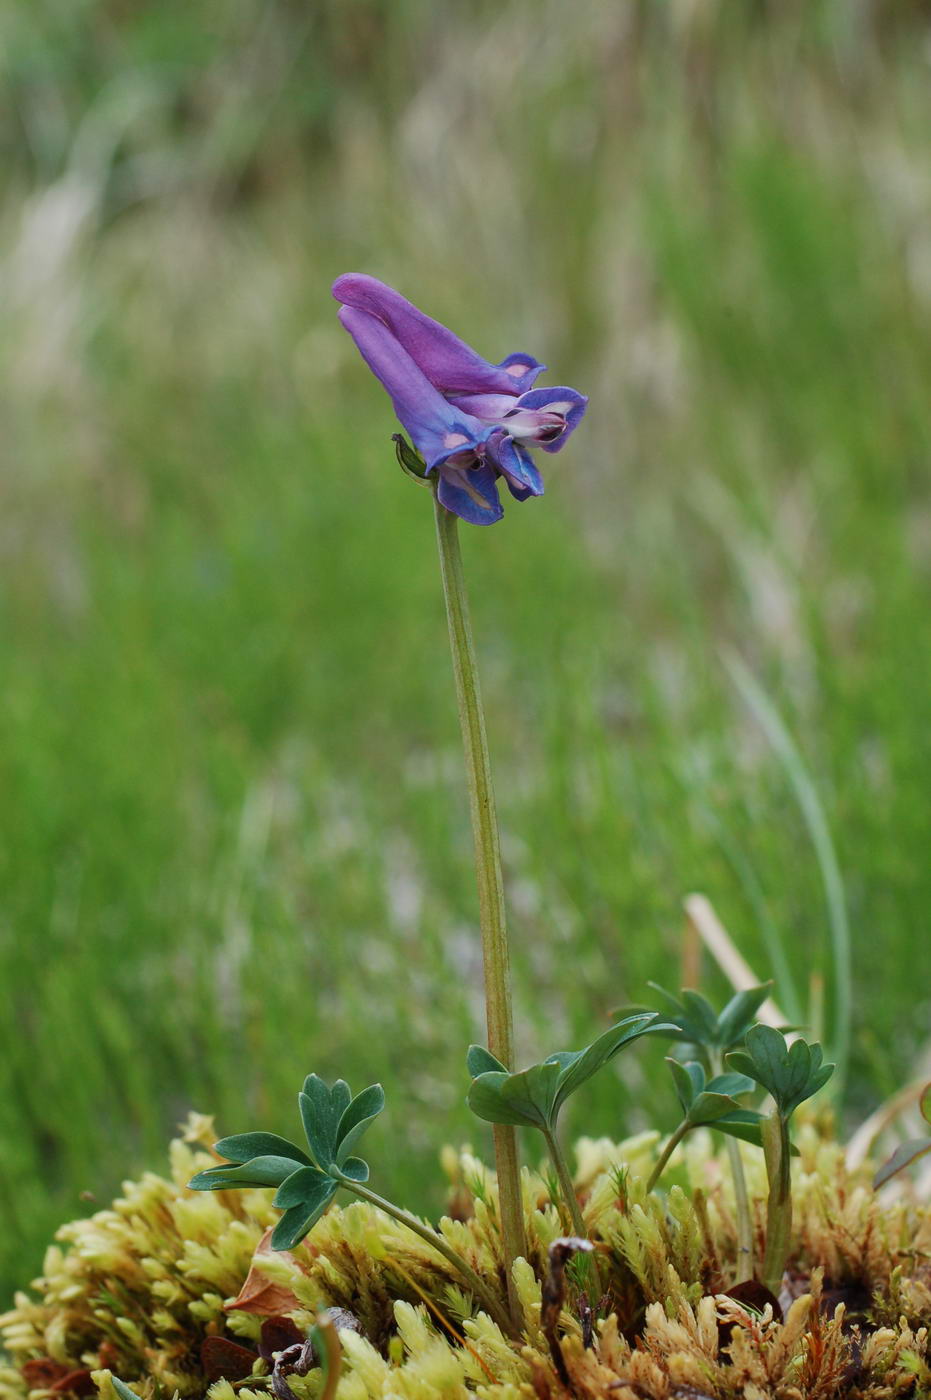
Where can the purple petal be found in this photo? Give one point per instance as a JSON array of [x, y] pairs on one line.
[[451, 366], [472, 494], [516, 466], [438, 429], [564, 407]]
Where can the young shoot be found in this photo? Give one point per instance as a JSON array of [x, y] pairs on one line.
[[707, 1036], [334, 1122], [534, 1097], [791, 1074], [709, 1103]]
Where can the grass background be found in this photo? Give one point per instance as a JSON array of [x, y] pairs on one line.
[[234, 842]]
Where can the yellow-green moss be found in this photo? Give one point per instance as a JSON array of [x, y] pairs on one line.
[[134, 1290]]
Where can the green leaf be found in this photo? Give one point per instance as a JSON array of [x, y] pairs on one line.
[[731, 1084], [303, 1187], [903, 1156], [261, 1171], [356, 1119], [300, 1220], [356, 1169], [689, 1080], [746, 1132], [790, 1073], [321, 1109], [739, 1014], [524, 1100], [482, 1061], [708, 1108], [701, 1015], [582, 1065], [243, 1147], [533, 1097], [122, 1389]]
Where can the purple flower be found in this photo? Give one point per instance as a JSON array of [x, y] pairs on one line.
[[471, 421]]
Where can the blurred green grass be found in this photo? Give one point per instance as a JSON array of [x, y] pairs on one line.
[[234, 843]]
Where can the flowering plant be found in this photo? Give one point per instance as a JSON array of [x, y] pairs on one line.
[[472, 422]]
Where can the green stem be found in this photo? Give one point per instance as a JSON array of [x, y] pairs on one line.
[[666, 1153], [744, 1216], [572, 1204], [779, 1206], [490, 883], [741, 1196], [486, 1295]]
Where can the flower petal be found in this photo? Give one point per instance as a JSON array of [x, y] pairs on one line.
[[516, 466], [566, 404], [450, 365], [470, 493], [438, 429]]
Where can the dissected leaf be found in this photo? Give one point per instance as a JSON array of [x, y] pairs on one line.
[[356, 1119], [322, 1108], [244, 1147], [482, 1061], [739, 1014], [304, 1185], [732, 1084], [736, 1127], [534, 1096], [355, 1168], [903, 1156], [261, 1171], [790, 1073], [708, 1107], [579, 1067], [299, 1219], [526, 1099], [688, 1078]]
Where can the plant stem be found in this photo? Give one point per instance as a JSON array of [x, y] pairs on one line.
[[485, 1295], [666, 1153], [744, 1216], [741, 1197], [779, 1207], [490, 883], [572, 1203]]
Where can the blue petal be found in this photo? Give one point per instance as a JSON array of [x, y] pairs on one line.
[[450, 365], [517, 467], [569, 402], [438, 429], [471, 493]]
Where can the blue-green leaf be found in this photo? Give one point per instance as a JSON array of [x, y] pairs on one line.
[[243, 1147], [688, 1078], [321, 1109], [587, 1062], [300, 1219], [482, 1061], [739, 1014], [524, 1100], [731, 1084], [356, 1119], [356, 1169], [122, 1389], [261, 1171], [304, 1185], [790, 1073]]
